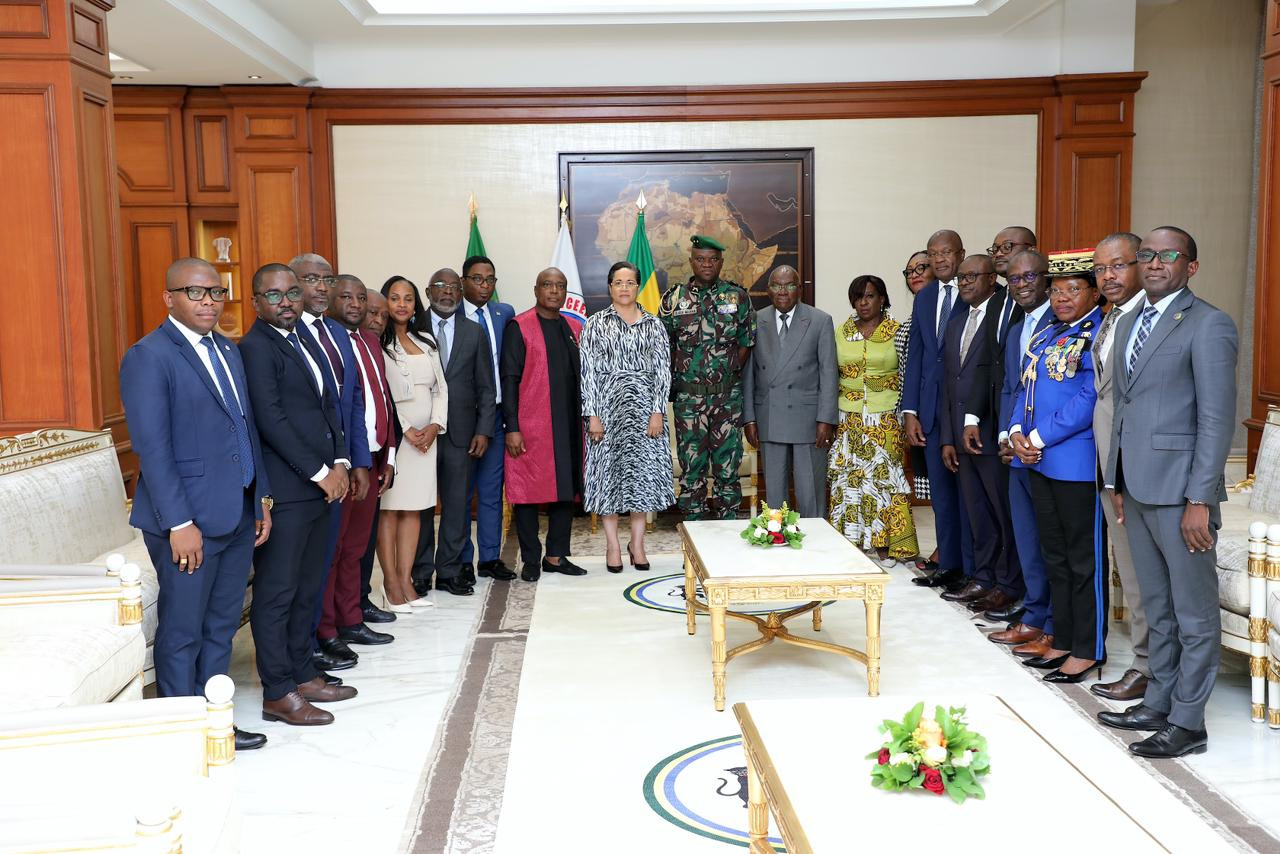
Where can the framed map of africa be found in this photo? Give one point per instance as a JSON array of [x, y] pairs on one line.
[[757, 202]]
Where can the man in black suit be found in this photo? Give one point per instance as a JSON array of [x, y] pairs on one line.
[[303, 451], [970, 443], [467, 359]]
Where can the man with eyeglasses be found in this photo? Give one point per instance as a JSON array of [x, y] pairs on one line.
[[1175, 399], [934, 307], [303, 449], [467, 360], [479, 285], [203, 499], [1115, 266]]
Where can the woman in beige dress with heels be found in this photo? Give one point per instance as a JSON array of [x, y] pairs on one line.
[[422, 403]]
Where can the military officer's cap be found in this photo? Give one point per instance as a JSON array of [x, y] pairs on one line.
[[701, 241], [1073, 263]]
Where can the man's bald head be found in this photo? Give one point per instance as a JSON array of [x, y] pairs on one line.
[[946, 251], [784, 270], [549, 292], [199, 315], [180, 271]]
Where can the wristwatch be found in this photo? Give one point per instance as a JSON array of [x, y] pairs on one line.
[[268, 502], [1195, 503]]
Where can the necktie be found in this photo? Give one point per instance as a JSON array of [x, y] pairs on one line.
[[381, 417], [442, 340], [945, 314], [233, 406], [1104, 334], [493, 345], [782, 333], [1144, 329], [970, 329], [322, 335], [1005, 314], [297, 345]]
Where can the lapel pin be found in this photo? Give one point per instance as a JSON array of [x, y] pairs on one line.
[[1178, 316]]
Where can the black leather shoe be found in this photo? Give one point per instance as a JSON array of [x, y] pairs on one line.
[[939, 579], [1041, 663], [248, 740], [1005, 615], [324, 661], [329, 678], [467, 574], [1057, 676], [1171, 742], [564, 567], [362, 634], [530, 572], [422, 586], [336, 648], [495, 569], [454, 586], [374, 614], [1140, 717]]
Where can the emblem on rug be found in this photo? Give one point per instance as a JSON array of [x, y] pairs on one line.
[[666, 593], [703, 789]]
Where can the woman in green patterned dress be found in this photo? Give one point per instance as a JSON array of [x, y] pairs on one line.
[[870, 496]]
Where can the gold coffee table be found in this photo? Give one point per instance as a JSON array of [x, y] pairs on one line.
[[731, 572]]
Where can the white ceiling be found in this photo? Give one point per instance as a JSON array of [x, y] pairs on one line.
[[424, 43]]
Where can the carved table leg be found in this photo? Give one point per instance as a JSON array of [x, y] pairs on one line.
[[873, 646], [817, 619], [690, 595], [718, 654], [757, 809]]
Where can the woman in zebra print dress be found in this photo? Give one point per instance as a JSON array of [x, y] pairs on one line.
[[626, 378]]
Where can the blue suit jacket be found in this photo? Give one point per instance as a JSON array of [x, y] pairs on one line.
[[350, 404], [1062, 409], [184, 436], [1014, 363], [502, 314], [922, 393]]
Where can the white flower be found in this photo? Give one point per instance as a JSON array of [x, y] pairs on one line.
[[758, 532], [962, 759], [900, 759], [775, 525], [791, 529], [935, 755]]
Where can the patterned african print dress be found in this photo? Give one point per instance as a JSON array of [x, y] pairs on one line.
[[870, 496], [626, 376]]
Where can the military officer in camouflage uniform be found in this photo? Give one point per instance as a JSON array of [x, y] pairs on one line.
[[712, 329]]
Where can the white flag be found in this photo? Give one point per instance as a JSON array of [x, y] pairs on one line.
[[563, 259]]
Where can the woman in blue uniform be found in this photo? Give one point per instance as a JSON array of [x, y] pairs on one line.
[[1052, 433]]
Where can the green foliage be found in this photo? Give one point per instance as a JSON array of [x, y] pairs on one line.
[[757, 531], [905, 747]]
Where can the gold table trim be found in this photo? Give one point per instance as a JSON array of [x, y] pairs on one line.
[[722, 592]]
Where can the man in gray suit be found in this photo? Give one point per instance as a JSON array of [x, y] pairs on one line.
[[1115, 268], [1175, 400], [789, 395], [467, 360]]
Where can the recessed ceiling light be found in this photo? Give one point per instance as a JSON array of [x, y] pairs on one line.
[[255, 76]]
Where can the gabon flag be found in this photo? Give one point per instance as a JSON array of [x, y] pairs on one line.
[[642, 256]]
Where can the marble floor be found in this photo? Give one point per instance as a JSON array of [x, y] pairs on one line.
[[610, 689]]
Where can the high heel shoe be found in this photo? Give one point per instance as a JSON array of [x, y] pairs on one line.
[[1041, 663], [612, 567], [422, 602], [643, 567], [1060, 678], [388, 605]]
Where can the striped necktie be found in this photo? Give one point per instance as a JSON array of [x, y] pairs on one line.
[[1144, 329]]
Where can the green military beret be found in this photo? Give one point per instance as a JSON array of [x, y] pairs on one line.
[[701, 241]]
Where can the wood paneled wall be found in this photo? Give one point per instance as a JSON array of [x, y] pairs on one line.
[[1266, 317], [64, 330]]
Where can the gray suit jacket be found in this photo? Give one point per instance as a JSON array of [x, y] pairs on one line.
[[1174, 415], [1104, 383], [787, 389]]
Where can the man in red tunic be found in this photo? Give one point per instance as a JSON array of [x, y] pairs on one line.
[[542, 404]]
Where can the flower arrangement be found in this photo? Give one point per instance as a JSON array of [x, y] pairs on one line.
[[938, 755], [775, 527]]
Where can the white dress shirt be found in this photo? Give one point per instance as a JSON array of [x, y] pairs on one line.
[[937, 315], [472, 311], [371, 393], [449, 331], [971, 420], [1123, 308], [1133, 333], [323, 332], [319, 378]]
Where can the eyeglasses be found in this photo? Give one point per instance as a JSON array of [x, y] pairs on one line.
[[477, 279], [943, 253], [1166, 256], [917, 270], [710, 261], [1118, 269], [276, 297], [1029, 278], [970, 278], [1072, 292], [446, 287], [196, 293], [780, 289], [315, 279], [1005, 247]]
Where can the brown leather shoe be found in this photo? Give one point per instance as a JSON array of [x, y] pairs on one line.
[[1131, 686], [1035, 649], [1018, 633], [292, 709], [995, 600], [972, 590], [319, 691]]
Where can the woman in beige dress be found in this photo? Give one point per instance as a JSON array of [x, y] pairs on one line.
[[422, 404]]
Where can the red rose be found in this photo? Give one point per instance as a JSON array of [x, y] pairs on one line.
[[883, 758], [933, 781], [778, 539]]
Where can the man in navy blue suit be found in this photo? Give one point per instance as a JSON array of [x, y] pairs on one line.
[[315, 276], [479, 282], [203, 500], [1032, 635], [934, 307]]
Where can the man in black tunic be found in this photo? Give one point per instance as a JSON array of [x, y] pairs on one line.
[[542, 404]]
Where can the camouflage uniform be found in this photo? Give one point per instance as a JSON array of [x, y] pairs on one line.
[[707, 326]]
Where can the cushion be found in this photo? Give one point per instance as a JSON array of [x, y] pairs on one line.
[[1265, 497], [1273, 611], [135, 551], [1235, 624], [71, 665], [1233, 575], [1273, 644]]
